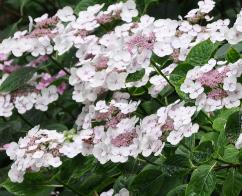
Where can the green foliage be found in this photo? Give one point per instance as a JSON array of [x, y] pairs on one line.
[[148, 182], [17, 79], [221, 119], [178, 76], [233, 125], [201, 53], [150, 107], [232, 55], [34, 184], [136, 76], [171, 168], [233, 183], [202, 181], [178, 191], [223, 51], [143, 5]]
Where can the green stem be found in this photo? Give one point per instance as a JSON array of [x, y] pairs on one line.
[[59, 65], [95, 193], [157, 69], [227, 166], [2, 149], [204, 114], [166, 101]]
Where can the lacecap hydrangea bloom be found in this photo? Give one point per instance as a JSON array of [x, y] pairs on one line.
[[102, 77]]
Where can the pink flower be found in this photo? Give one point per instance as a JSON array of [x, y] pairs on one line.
[[212, 78], [217, 94], [141, 41], [60, 74], [6, 146], [124, 139], [3, 57], [46, 80], [38, 61], [61, 89]]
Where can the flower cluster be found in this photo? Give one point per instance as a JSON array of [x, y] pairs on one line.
[[204, 7], [25, 99], [214, 85], [38, 93], [106, 131], [112, 132], [234, 35], [105, 62], [45, 30], [39, 148]]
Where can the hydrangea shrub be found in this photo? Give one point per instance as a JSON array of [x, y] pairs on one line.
[[104, 100]]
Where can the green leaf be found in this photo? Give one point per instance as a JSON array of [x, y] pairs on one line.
[[238, 47], [56, 126], [233, 126], [150, 107], [201, 53], [178, 191], [136, 76], [231, 154], [5, 193], [233, 183], [70, 169], [170, 183], [170, 166], [148, 182], [178, 76], [203, 152], [202, 182], [220, 121], [136, 91], [85, 174], [17, 79], [123, 182], [221, 52], [9, 131], [84, 4], [33, 184], [185, 149], [23, 3], [3, 174], [210, 136], [132, 166], [221, 143], [10, 30], [232, 55], [143, 5]]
